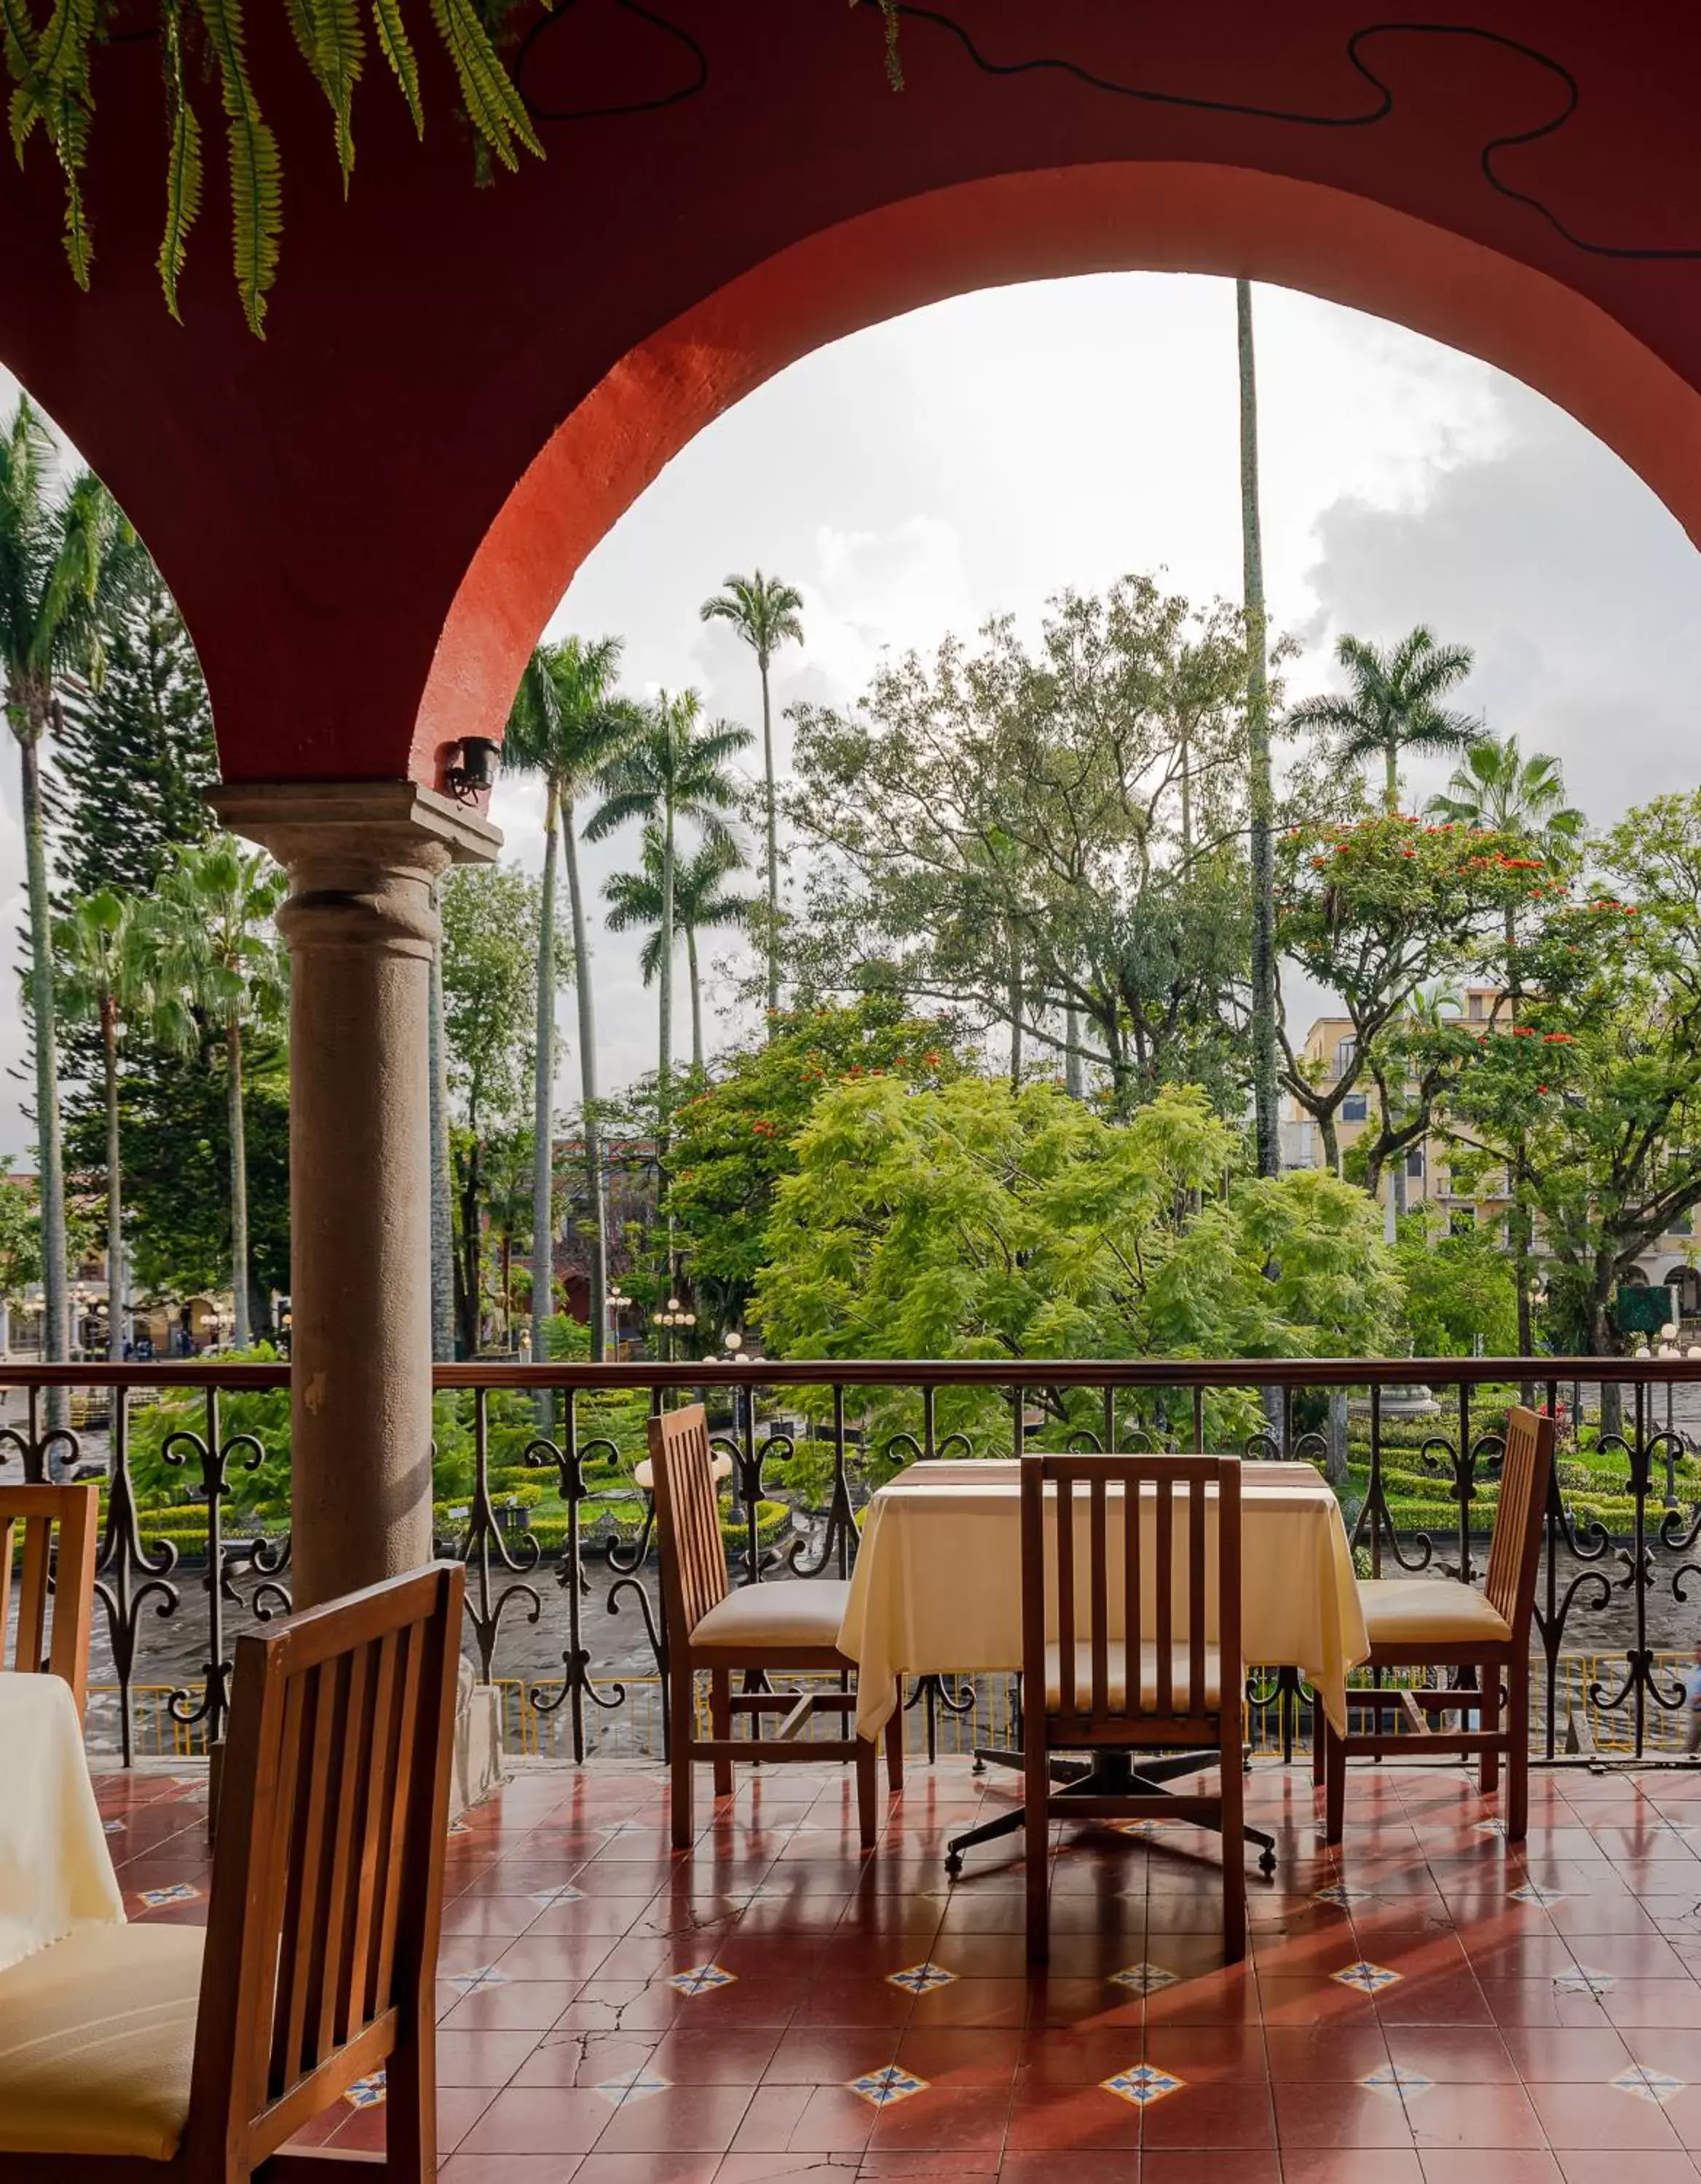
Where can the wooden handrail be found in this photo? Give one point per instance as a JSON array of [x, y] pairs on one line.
[[908, 1373]]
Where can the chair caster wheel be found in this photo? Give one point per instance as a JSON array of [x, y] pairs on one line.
[[1267, 1865], [953, 1864]]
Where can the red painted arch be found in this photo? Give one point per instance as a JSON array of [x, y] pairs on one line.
[[995, 232]]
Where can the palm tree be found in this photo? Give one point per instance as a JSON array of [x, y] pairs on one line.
[[675, 770], [107, 960], [635, 899], [569, 725], [1266, 1111], [1394, 704], [766, 613], [1496, 786], [219, 957], [61, 551]]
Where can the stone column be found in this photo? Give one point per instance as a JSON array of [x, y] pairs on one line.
[[358, 924]]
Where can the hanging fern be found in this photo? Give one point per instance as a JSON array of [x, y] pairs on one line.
[[397, 51], [183, 169], [49, 67]]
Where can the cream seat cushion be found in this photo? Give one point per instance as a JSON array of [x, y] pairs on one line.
[[805, 1613], [1428, 1610], [97, 2042], [1116, 1680]]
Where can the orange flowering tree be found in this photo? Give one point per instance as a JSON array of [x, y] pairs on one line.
[[1598, 1078], [1382, 912], [735, 1141]]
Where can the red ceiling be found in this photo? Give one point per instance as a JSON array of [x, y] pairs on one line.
[[325, 502]]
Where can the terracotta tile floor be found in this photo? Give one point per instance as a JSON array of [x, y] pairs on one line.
[[1423, 2008]]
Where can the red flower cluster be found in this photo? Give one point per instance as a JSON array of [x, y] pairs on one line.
[[1557, 1038]]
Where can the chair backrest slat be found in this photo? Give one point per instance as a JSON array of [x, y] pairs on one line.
[[58, 1527], [1066, 1595], [694, 1560], [322, 1933], [1099, 1577], [1514, 1549], [1071, 1640], [1163, 1622]]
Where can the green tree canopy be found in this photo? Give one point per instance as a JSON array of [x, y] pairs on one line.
[[1596, 1084], [973, 1219], [1050, 837], [736, 1139]]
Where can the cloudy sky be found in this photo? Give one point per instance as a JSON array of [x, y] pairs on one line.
[[979, 456]]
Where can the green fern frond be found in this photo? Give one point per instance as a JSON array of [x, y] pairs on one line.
[[62, 56], [397, 51], [493, 106], [335, 52], [183, 172], [67, 125], [256, 190], [23, 112]]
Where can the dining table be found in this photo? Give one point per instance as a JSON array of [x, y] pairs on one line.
[[56, 1873], [937, 1587]]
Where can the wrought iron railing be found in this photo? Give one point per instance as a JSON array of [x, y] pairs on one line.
[[557, 1533]]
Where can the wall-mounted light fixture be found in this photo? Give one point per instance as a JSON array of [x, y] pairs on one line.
[[477, 760]]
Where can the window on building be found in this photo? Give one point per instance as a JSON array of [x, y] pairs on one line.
[[1355, 1107], [1415, 1163], [1345, 1050], [1476, 1008]]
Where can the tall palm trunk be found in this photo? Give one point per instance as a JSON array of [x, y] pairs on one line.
[[543, 1139], [587, 1086], [1014, 1004], [1391, 759], [772, 850], [239, 1179], [50, 1145], [114, 1183], [441, 1187], [1265, 1111], [664, 1074], [696, 998]]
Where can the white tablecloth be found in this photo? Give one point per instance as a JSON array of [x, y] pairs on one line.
[[938, 1583], [55, 1870]]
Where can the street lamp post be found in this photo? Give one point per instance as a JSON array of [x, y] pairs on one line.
[[676, 1316], [618, 1302]]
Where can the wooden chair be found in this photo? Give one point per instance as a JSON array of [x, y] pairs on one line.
[[1438, 1623], [142, 2054], [1093, 1682], [788, 1628], [67, 1578]]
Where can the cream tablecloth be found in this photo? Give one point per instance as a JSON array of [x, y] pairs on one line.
[[938, 1583], [56, 1872]]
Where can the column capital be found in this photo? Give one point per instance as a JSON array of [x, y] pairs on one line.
[[376, 824]]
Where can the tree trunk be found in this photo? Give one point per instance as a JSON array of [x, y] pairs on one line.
[[49, 1143], [664, 1073], [1266, 1111], [543, 1116], [772, 852], [1015, 1007], [114, 1184], [442, 1186], [696, 999], [1186, 803], [1391, 760], [1075, 1077], [588, 1089], [239, 1180], [469, 1274]]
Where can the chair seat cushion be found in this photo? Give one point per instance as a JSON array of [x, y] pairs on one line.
[[1116, 1681], [97, 2041], [1428, 1610], [801, 1611]]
